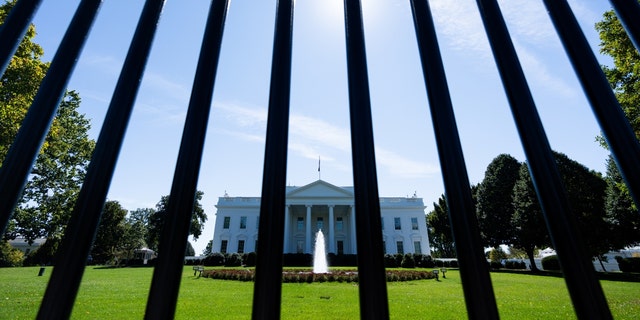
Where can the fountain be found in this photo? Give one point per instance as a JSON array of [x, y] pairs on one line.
[[319, 255]]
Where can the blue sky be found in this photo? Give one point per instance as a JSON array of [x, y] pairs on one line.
[[406, 154]]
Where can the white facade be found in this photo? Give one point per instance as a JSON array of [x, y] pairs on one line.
[[321, 205]]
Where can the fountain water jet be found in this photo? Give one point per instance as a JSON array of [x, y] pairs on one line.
[[319, 255]]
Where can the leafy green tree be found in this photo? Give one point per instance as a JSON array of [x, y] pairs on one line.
[[156, 220], [440, 230], [139, 220], [56, 177], [585, 192], [19, 83], [108, 244], [623, 219], [10, 256], [208, 249], [494, 202], [59, 170], [528, 223], [624, 76]]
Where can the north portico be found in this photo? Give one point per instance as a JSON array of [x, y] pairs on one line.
[[320, 206]]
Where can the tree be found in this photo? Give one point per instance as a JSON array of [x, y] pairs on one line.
[[623, 220], [156, 220], [19, 83], [10, 256], [59, 170], [585, 191], [140, 221], [208, 249], [624, 76], [440, 230], [108, 243], [529, 227], [190, 251], [494, 202]]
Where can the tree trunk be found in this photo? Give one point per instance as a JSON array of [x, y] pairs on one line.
[[602, 264]]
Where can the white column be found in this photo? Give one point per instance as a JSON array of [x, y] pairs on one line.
[[332, 240], [354, 246], [287, 227], [308, 244]]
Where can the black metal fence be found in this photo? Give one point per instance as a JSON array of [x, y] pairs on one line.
[[585, 291]]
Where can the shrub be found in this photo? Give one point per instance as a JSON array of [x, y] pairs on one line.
[[551, 263], [495, 265], [10, 256], [399, 257], [390, 261], [214, 259], [517, 265], [407, 261], [342, 260], [298, 259], [250, 259], [628, 264], [233, 260]]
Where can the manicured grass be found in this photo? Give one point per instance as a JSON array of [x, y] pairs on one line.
[[122, 294]]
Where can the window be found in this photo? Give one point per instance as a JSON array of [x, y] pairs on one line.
[[414, 223], [400, 247], [396, 222], [339, 223], [340, 247], [417, 248], [382, 222], [223, 246], [243, 222], [240, 246], [320, 223], [300, 223], [257, 222], [227, 221], [384, 247]]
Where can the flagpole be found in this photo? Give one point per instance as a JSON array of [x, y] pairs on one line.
[[319, 168]]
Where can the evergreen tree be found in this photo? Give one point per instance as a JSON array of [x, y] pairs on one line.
[[494, 201], [439, 228]]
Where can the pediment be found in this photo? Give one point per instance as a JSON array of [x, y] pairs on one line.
[[320, 189]]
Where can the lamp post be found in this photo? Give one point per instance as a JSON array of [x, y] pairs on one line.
[[444, 271], [435, 272]]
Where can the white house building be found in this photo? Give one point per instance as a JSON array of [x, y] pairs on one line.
[[321, 206]]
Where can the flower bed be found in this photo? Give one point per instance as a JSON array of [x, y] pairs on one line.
[[304, 275]]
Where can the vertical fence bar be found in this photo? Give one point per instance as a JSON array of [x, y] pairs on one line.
[[24, 150], [628, 11], [584, 288], [14, 28], [616, 129], [80, 232], [371, 274], [267, 290], [474, 271], [165, 283]]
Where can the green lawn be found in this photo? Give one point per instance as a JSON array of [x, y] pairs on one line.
[[121, 294]]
